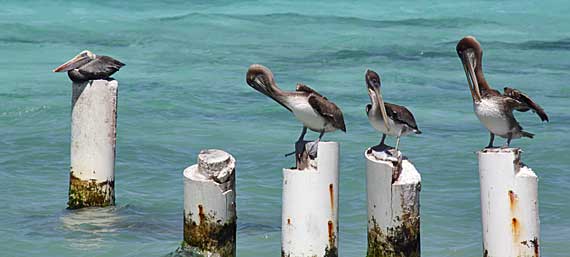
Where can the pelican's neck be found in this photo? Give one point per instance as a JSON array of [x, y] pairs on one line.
[[275, 89]]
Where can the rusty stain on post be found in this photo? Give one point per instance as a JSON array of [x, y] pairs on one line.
[[515, 225], [513, 201], [288, 221], [535, 246], [201, 214], [331, 195], [331, 250], [90, 193]]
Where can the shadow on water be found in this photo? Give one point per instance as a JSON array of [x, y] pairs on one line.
[[88, 228]]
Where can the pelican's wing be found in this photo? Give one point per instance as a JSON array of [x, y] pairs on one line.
[[523, 103], [307, 89], [328, 110], [401, 114], [101, 67]]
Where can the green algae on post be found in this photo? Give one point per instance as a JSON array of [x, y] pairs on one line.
[[399, 241], [210, 235], [90, 193]]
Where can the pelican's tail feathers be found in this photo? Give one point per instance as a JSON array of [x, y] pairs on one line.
[[527, 134]]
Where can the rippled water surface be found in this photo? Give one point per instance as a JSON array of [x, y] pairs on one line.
[[183, 90]]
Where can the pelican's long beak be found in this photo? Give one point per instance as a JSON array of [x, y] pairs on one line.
[[76, 62], [468, 60], [382, 108]]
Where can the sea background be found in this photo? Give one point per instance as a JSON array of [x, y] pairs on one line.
[[183, 90]]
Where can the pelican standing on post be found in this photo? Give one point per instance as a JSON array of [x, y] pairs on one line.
[[315, 111], [390, 119], [494, 110], [88, 66]]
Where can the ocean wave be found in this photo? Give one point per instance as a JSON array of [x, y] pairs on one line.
[[296, 18], [16, 33], [547, 45], [562, 44], [392, 52]]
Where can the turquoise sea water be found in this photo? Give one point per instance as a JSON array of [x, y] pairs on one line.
[[183, 90]]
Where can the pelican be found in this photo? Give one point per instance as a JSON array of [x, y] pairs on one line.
[[315, 111], [390, 119], [88, 66], [494, 110]]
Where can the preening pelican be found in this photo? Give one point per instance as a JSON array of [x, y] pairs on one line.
[[315, 111], [494, 110]]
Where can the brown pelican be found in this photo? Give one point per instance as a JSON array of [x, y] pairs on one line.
[[390, 119], [315, 111], [494, 110], [88, 66]]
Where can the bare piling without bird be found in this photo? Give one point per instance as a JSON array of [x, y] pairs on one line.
[[509, 204], [210, 205], [393, 192], [309, 224], [93, 138]]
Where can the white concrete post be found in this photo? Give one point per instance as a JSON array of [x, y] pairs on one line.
[[509, 204], [210, 205], [393, 192], [93, 136], [309, 224]]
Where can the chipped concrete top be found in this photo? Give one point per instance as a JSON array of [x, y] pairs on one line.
[[213, 164], [525, 171], [408, 175], [501, 150], [381, 155]]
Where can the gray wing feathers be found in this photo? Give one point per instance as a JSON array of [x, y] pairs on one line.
[[524, 103], [328, 110], [100, 68], [401, 114], [304, 88]]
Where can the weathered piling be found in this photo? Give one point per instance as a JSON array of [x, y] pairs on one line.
[[310, 206], [509, 204], [393, 192], [210, 205], [93, 137]]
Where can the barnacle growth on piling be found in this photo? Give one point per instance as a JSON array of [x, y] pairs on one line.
[[399, 241], [90, 193], [210, 235]]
